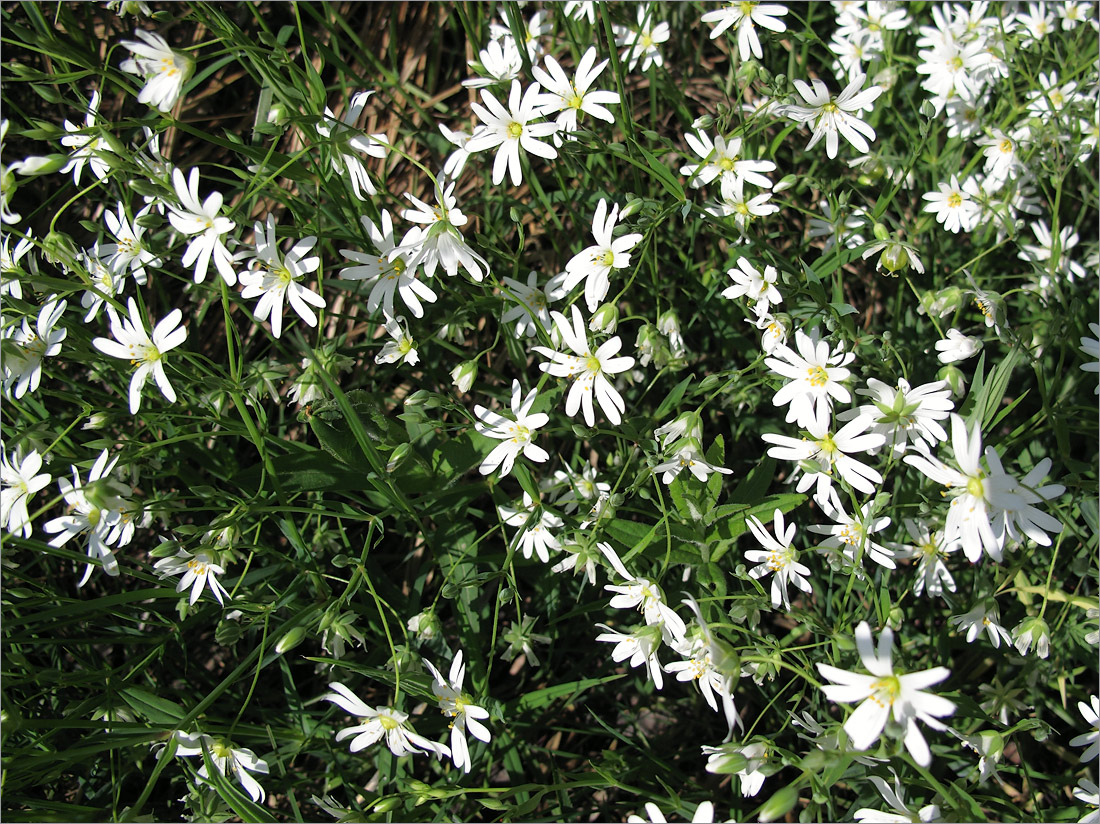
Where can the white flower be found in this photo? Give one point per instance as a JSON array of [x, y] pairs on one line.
[[456, 705], [401, 347], [500, 60], [885, 694], [456, 160], [704, 814], [536, 537], [145, 354], [1091, 715], [387, 272], [957, 346], [1091, 347], [638, 647], [688, 457], [570, 97], [587, 369], [954, 68], [202, 223], [532, 304], [711, 663], [749, 757], [640, 44], [86, 148], [646, 596], [746, 16], [516, 434], [1088, 793], [825, 453], [987, 509], [239, 763], [198, 570], [21, 481], [581, 10], [750, 283], [955, 206], [931, 550], [1067, 239], [733, 202], [382, 722], [10, 265], [441, 242], [850, 537], [779, 557], [895, 798], [814, 374], [23, 366], [348, 142], [1032, 630], [511, 129], [98, 508], [904, 415], [273, 277], [594, 264], [832, 116], [724, 159], [165, 70], [984, 615], [1002, 158], [129, 251]]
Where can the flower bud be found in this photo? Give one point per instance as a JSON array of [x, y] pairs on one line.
[[703, 122], [289, 641], [387, 804], [97, 420], [668, 323], [60, 250], [779, 804], [398, 455], [605, 319], [425, 624], [955, 379], [40, 164], [1032, 631], [941, 303], [786, 182], [632, 207], [886, 79], [881, 232], [464, 374]]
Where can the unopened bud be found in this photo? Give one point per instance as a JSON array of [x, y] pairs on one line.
[[955, 379], [779, 804], [397, 456], [605, 319], [289, 641], [464, 374]]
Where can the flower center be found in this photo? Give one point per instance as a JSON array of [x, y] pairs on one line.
[[886, 691], [817, 376], [592, 365], [388, 723], [515, 130], [954, 200]]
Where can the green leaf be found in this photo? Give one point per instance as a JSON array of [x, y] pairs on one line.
[[541, 698], [151, 707], [305, 471]]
